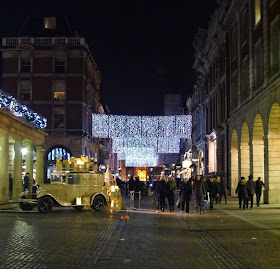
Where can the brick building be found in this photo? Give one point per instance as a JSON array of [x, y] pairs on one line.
[[236, 112], [52, 71]]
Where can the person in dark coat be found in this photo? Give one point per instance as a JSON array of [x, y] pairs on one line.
[[26, 182], [200, 193], [185, 194], [218, 188], [223, 189], [161, 191], [259, 186], [131, 184], [241, 190], [118, 182], [137, 184], [251, 188], [10, 186], [212, 191], [170, 191]]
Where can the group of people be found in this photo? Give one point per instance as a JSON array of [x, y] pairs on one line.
[[202, 188], [246, 190]]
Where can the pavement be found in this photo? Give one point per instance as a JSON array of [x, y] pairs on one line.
[[225, 237]]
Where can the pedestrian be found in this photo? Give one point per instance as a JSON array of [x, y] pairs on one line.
[[185, 194], [118, 182], [26, 182], [251, 188], [137, 184], [131, 184], [170, 191], [259, 186], [200, 192], [241, 190], [218, 188], [161, 191], [212, 191], [223, 190], [10, 186]]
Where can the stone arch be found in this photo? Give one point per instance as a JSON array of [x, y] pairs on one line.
[[244, 152], [274, 154], [258, 148], [234, 161]]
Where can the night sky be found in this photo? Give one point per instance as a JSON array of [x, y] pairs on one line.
[[142, 48]]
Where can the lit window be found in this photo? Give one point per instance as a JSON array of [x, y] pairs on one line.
[[59, 65], [25, 90], [25, 65], [59, 90], [257, 11], [59, 119], [50, 23]]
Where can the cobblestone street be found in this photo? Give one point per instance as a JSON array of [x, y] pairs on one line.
[[223, 238]]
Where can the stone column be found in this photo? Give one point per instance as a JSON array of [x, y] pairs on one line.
[[4, 170], [266, 172], [17, 179], [29, 164], [39, 164]]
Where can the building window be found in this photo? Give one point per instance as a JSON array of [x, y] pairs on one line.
[[274, 46], [245, 80], [234, 44], [59, 118], [50, 23], [25, 65], [234, 91], [257, 11], [25, 90], [59, 90], [258, 65], [59, 65], [245, 27]]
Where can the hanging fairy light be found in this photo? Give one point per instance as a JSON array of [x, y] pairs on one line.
[[10, 104]]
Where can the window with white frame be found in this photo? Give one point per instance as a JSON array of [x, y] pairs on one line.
[[25, 64], [59, 90]]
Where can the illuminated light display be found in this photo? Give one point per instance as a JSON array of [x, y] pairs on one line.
[[139, 139], [10, 104]]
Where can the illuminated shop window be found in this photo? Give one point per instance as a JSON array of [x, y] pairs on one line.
[[50, 22], [257, 11], [59, 90], [25, 65], [59, 152]]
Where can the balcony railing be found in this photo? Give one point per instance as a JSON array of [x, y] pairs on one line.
[[43, 41]]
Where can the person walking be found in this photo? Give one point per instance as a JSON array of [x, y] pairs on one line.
[[185, 194], [10, 186], [26, 182], [170, 191], [223, 190], [251, 188], [118, 182], [131, 184], [200, 192], [241, 190], [218, 188], [259, 186], [161, 191], [212, 191]]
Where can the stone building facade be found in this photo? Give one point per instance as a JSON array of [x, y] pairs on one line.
[[51, 70], [236, 117]]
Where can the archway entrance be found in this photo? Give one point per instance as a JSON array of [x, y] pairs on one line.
[[244, 152], [234, 162], [258, 148], [273, 154]]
